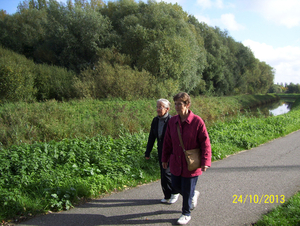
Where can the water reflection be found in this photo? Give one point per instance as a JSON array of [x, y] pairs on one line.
[[282, 109], [273, 109]]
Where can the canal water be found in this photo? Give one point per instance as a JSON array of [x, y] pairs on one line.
[[274, 109], [282, 109]]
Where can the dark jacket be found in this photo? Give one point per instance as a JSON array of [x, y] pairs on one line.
[[154, 135]]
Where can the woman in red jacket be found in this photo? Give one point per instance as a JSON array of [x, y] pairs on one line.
[[194, 135]]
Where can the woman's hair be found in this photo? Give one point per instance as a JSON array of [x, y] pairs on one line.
[[184, 97], [165, 102]]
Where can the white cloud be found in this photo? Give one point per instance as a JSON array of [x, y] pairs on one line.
[[282, 12], [219, 4], [210, 3], [205, 3], [285, 60], [204, 19], [228, 20]]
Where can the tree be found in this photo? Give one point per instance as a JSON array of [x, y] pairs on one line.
[[293, 88], [50, 32], [266, 77], [275, 89], [3, 14], [159, 39], [74, 36], [22, 32]]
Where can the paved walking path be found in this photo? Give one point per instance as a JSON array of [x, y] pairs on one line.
[[270, 170]]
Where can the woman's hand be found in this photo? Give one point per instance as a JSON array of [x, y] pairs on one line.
[[165, 165], [204, 168]]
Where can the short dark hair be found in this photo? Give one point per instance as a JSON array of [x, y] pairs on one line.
[[182, 96]]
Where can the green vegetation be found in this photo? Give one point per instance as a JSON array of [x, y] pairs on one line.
[[291, 88], [247, 132], [22, 79], [288, 96], [286, 214], [120, 49], [23, 122], [57, 175]]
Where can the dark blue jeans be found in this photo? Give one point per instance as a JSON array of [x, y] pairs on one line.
[[186, 187]]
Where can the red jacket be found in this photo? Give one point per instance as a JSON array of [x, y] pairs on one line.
[[194, 135]]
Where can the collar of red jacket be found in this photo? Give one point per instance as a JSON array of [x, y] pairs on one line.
[[188, 120]]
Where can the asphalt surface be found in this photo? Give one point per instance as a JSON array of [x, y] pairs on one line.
[[266, 175]]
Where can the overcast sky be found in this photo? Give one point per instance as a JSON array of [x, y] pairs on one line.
[[269, 27]]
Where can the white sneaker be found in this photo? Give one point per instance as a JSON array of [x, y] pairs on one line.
[[164, 200], [195, 199], [173, 199], [183, 219]]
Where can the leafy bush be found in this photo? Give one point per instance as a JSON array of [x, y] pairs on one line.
[[54, 83], [16, 77], [106, 80], [112, 77], [23, 80]]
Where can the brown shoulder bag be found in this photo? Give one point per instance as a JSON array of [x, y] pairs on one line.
[[193, 156]]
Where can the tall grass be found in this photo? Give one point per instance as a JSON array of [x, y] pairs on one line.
[[52, 120]]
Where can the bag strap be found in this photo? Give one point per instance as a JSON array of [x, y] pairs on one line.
[[180, 139]]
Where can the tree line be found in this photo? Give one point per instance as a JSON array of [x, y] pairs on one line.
[[124, 49], [285, 88]]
